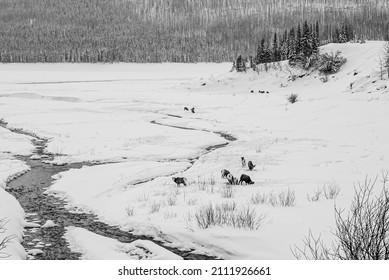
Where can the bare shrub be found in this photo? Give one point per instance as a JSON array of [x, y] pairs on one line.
[[331, 191], [361, 235], [130, 210], [228, 215], [154, 208], [258, 148], [212, 181], [293, 98], [192, 201], [316, 195], [259, 198], [169, 215], [228, 206], [284, 199], [143, 198], [227, 191], [201, 183], [171, 201], [6, 240]]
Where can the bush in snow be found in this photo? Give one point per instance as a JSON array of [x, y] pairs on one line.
[[284, 199], [4, 241], [130, 210], [259, 198], [154, 207], [292, 98], [331, 191], [227, 191], [361, 235], [330, 63], [227, 214], [316, 196]]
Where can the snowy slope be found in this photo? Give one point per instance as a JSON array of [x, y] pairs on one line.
[[333, 136]]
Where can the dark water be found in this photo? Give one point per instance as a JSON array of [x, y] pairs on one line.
[[29, 191]]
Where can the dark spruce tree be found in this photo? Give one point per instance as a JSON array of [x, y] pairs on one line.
[[276, 55], [284, 46], [298, 42], [260, 58], [343, 36], [292, 44], [306, 40], [316, 38], [240, 64]]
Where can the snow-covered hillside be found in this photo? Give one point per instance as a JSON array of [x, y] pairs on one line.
[[334, 136]]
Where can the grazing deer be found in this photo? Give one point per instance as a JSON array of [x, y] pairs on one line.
[[224, 173], [193, 110], [180, 180], [245, 178], [250, 165]]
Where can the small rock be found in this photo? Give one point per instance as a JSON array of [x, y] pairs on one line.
[[35, 252], [49, 223], [35, 157]]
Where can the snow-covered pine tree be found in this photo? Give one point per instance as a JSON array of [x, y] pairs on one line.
[[253, 65], [317, 37], [240, 64], [261, 52], [343, 36], [298, 41], [267, 54], [306, 40], [284, 46], [275, 51], [292, 44]]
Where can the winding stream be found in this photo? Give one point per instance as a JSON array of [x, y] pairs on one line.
[[29, 191]]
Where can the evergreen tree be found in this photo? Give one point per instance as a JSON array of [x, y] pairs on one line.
[[298, 41], [317, 37], [284, 46], [261, 52], [267, 55], [306, 40], [240, 64], [252, 63], [276, 52], [292, 44], [343, 36]]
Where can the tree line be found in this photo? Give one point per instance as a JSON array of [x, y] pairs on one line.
[[298, 45], [169, 30]]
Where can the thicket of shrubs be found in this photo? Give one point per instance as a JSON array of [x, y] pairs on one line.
[[362, 234], [330, 63]]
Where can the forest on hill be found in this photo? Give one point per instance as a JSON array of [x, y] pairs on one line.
[[169, 30]]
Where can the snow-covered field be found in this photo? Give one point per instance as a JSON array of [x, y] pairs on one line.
[[132, 117]]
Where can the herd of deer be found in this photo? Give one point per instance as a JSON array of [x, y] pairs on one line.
[[226, 175]]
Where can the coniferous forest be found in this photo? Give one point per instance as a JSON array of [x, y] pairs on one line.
[[173, 30]]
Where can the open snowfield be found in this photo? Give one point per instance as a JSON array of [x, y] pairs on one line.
[[132, 118]]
